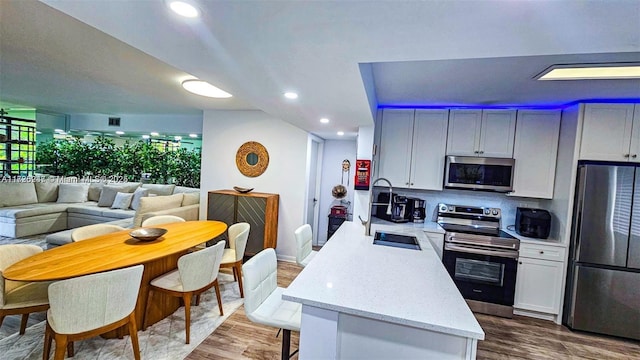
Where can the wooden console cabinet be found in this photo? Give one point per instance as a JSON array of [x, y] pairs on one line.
[[260, 210]]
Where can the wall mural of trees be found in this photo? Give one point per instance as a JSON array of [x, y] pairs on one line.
[[73, 157]]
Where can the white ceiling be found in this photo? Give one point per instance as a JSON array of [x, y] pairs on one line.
[[344, 58]]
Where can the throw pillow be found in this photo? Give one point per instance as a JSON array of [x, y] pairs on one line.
[[94, 190], [151, 204], [122, 201], [46, 190], [73, 193], [191, 199], [137, 195], [108, 194]]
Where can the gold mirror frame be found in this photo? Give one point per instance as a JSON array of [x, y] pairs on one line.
[[241, 159]]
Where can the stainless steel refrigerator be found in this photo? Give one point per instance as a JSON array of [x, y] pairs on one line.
[[603, 278]]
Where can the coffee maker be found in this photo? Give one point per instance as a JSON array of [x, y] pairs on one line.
[[419, 212]]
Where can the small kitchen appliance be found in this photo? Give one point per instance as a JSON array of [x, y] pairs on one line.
[[534, 223], [419, 211], [401, 208]]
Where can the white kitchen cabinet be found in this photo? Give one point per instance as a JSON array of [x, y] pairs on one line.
[[437, 241], [487, 133], [611, 132], [412, 147], [535, 152], [539, 278]]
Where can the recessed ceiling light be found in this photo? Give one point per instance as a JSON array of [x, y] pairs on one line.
[[178, 138], [340, 133], [203, 88], [324, 120], [183, 8], [153, 133], [591, 72], [193, 135], [120, 132], [145, 136], [59, 131], [290, 95]]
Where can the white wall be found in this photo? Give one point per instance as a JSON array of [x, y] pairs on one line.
[[335, 151], [164, 124], [222, 134]]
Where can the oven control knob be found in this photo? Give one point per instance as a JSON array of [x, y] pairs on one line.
[[451, 208], [487, 211], [494, 212], [443, 208]]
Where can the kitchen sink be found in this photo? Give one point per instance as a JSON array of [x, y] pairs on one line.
[[396, 240]]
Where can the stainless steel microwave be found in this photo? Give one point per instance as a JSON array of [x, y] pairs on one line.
[[479, 173]]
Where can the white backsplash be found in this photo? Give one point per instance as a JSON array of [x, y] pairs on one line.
[[507, 204]]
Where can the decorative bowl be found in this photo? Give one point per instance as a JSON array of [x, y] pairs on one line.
[[241, 190], [147, 234]]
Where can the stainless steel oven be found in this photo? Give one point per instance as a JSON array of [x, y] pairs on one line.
[[481, 259]]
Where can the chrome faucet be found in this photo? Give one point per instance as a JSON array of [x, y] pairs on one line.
[[367, 223]]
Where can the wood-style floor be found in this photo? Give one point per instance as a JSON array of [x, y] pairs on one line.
[[517, 338]]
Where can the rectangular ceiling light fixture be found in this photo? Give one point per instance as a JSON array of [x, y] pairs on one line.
[[611, 71]]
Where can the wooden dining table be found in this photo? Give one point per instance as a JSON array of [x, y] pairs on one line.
[[119, 250]]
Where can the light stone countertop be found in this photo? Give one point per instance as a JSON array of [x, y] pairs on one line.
[[408, 287], [529, 240], [428, 226]]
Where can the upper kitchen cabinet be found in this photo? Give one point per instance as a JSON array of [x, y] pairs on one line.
[[535, 152], [487, 133], [412, 147], [611, 132]]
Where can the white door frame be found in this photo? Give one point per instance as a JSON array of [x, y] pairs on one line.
[[316, 197]]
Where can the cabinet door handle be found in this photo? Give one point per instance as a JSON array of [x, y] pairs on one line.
[[634, 156], [541, 252], [406, 183], [520, 262], [411, 184], [476, 152], [626, 155], [481, 152]]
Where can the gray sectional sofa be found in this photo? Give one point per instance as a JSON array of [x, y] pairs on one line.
[[51, 205]]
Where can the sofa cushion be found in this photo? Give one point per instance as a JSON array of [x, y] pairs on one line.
[[17, 193], [139, 193], [95, 188], [191, 198], [29, 210], [89, 208], [109, 214], [184, 190], [47, 191], [109, 192], [149, 204], [122, 201], [159, 189], [73, 193]]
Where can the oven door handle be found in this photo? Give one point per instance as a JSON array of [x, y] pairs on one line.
[[461, 240], [499, 253]]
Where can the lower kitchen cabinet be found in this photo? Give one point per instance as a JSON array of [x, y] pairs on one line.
[[539, 279]]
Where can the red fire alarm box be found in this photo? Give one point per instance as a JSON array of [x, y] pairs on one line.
[[363, 174]]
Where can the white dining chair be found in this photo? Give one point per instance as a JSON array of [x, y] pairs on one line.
[[304, 242], [17, 297], [90, 231], [162, 219], [263, 303], [234, 255], [91, 305], [197, 272]]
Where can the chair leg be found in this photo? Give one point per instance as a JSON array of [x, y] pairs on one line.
[[23, 323], [198, 300], [146, 310], [61, 346], [235, 276], [1, 319], [70, 350], [47, 342], [187, 315], [133, 331], [286, 344], [238, 267], [216, 287]]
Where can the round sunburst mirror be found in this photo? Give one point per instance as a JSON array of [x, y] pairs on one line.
[[252, 159]]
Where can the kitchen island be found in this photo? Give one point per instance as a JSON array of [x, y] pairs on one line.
[[366, 301]]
